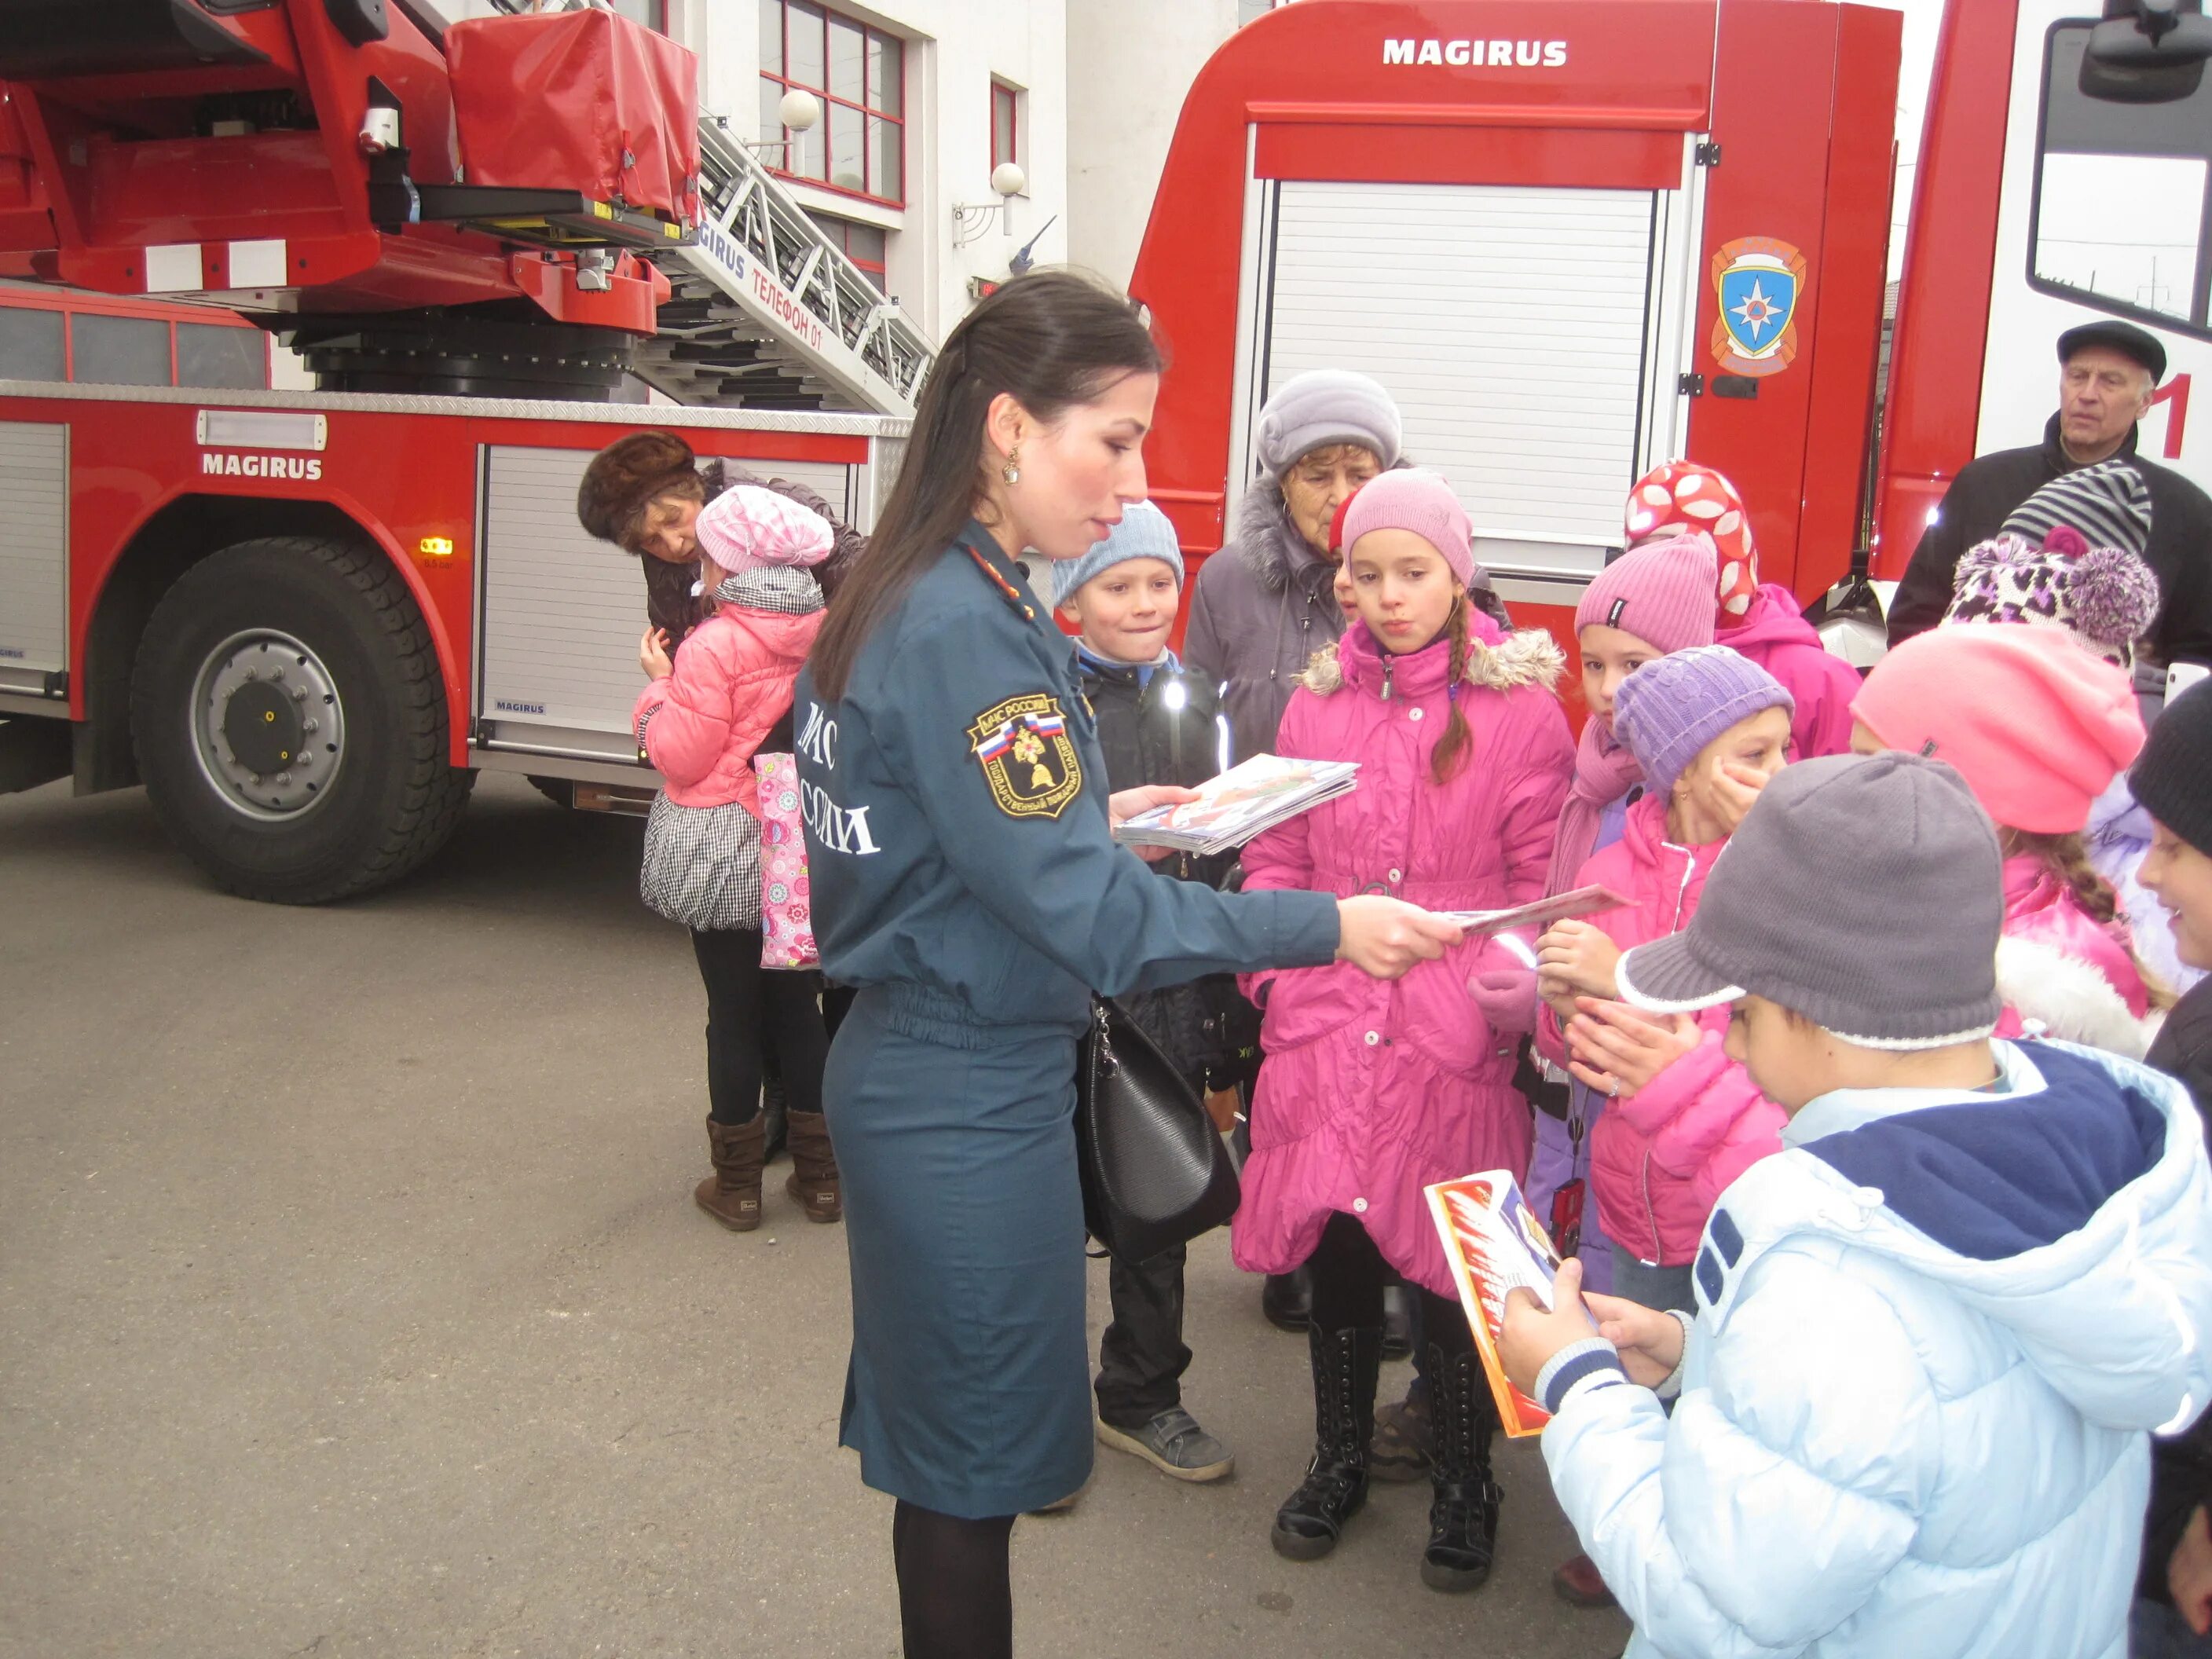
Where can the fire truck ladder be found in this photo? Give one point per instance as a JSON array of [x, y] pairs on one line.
[[769, 314]]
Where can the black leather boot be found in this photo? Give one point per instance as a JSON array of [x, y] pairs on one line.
[[1287, 1299], [1463, 1513], [1345, 1364]]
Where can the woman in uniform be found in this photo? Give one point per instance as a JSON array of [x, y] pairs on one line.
[[964, 879]]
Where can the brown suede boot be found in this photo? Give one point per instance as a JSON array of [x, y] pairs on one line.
[[733, 1194], [813, 1180]]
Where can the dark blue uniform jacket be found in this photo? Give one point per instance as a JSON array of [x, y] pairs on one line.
[[956, 828]]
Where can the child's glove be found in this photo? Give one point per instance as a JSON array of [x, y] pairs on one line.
[[1504, 991]]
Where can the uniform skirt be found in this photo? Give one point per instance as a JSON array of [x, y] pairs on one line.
[[969, 1390]]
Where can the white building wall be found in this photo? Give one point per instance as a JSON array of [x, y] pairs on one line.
[[1132, 62], [954, 48]]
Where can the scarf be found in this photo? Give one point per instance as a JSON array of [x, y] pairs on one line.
[[1605, 770]]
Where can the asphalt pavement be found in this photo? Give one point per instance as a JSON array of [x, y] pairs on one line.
[[353, 1302]]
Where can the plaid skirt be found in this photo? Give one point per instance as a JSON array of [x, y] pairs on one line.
[[703, 865]]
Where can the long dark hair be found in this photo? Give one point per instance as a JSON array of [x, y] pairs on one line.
[[1052, 339]]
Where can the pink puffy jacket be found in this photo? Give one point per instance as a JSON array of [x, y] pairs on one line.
[[2072, 975], [732, 683], [1371, 1090], [1662, 1156], [1775, 635]]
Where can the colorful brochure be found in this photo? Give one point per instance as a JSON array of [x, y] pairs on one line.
[[1231, 808], [1495, 1245], [1539, 914]]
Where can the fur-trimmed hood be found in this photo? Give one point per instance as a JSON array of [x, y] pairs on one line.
[[2058, 994], [1268, 543], [1524, 657]]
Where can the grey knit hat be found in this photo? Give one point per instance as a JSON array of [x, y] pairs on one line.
[[1144, 533], [1327, 406], [1863, 892], [2109, 503]]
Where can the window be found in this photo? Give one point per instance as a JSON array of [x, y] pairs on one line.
[[864, 245], [653, 13], [2121, 189], [211, 354], [31, 344], [119, 351], [860, 74], [1005, 125]]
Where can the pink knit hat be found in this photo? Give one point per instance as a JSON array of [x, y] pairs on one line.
[[1411, 499], [1662, 592], [2037, 726], [746, 527]]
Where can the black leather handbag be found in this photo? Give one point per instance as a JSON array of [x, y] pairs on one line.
[[1155, 1172]]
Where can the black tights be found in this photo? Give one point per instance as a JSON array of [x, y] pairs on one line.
[[956, 1598], [750, 1007], [1348, 1277]]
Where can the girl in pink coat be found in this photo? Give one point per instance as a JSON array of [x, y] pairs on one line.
[[1681, 1120], [2038, 728], [1762, 621], [700, 722], [1369, 1093]]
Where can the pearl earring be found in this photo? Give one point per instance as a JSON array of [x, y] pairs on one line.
[[1011, 472]]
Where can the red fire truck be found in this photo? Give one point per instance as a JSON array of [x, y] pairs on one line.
[[305, 620], [1575, 239]]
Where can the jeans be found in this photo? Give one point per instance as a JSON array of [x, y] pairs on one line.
[[1667, 1289], [1141, 1357]]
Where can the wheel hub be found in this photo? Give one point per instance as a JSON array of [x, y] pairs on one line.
[[267, 724]]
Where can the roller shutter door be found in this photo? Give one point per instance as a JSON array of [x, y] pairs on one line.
[[34, 554], [1509, 323]]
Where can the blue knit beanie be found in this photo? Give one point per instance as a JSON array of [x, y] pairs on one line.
[[1144, 533], [1673, 707]]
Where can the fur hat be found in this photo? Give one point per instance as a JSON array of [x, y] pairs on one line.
[[626, 475]]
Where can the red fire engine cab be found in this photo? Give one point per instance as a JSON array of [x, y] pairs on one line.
[[1577, 238], [306, 621]]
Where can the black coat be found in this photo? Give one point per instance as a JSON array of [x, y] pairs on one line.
[[671, 605], [1165, 727], [2180, 1468], [1985, 494]]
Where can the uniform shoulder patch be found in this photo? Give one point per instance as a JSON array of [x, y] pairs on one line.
[[1028, 759]]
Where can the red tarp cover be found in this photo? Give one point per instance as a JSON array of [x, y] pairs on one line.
[[556, 101]]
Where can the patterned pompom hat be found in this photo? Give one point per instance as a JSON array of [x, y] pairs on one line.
[[2105, 596], [1681, 496]]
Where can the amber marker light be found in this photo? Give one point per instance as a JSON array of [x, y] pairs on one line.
[[435, 548]]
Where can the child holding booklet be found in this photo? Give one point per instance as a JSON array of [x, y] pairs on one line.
[[1366, 1096], [1934, 1333], [1157, 724], [1708, 727]]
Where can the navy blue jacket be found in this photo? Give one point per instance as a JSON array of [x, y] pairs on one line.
[[956, 829]]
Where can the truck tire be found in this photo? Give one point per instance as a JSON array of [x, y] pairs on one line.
[[290, 720]]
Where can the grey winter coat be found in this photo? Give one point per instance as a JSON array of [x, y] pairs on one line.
[[1259, 608]]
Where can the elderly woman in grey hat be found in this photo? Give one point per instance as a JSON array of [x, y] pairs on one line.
[[1265, 602]]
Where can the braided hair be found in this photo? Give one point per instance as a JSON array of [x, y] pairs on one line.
[[1451, 750], [2067, 856]]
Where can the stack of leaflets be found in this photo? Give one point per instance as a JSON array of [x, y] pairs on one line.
[[1237, 804], [1495, 1246]]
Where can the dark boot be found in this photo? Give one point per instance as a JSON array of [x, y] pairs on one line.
[[733, 1194], [1312, 1518], [1287, 1300], [1398, 1332], [813, 1181], [1463, 1513], [775, 1114]]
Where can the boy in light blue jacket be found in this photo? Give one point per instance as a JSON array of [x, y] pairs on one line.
[[1935, 1333]]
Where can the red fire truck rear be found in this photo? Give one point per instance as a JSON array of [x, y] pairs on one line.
[[1574, 237]]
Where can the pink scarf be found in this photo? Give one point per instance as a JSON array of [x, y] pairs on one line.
[[1604, 772]]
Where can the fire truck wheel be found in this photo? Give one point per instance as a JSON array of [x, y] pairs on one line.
[[290, 720]]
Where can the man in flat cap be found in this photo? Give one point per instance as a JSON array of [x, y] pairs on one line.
[[2109, 370]]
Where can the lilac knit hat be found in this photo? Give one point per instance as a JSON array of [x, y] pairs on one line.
[[1662, 592], [1668, 710], [1411, 499]]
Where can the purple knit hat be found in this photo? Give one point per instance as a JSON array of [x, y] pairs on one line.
[[2106, 597], [1668, 710], [1411, 499], [1662, 592]]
